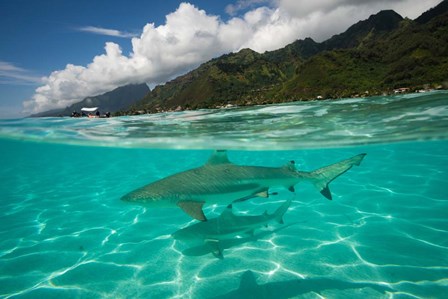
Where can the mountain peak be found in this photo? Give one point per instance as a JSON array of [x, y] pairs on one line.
[[436, 11], [383, 21]]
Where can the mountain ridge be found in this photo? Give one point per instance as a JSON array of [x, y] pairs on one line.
[[112, 101], [375, 55]]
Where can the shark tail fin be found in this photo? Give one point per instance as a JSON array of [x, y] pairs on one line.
[[322, 177], [281, 211]]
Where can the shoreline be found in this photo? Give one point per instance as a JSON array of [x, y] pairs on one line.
[[250, 103]]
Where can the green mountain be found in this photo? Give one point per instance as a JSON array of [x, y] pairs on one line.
[[411, 55], [113, 101], [375, 55], [440, 9]]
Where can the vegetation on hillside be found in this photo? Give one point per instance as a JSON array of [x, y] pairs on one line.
[[373, 56]]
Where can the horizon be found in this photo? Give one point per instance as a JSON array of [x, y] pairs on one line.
[[69, 62]]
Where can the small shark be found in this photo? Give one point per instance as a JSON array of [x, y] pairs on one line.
[[227, 230], [228, 226], [220, 181], [217, 247]]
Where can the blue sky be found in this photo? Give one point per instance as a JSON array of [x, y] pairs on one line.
[[39, 37], [54, 52]]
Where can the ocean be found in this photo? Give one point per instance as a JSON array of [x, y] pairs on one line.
[[65, 233]]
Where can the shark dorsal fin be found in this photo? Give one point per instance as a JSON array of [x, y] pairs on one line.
[[226, 214], [218, 157], [248, 280], [291, 165]]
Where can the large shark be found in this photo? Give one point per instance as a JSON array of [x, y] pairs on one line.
[[220, 181], [228, 225]]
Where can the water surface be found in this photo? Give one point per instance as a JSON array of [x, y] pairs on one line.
[[65, 233]]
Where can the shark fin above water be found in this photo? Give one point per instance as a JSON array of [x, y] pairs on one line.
[[193, 208], [218, 157]]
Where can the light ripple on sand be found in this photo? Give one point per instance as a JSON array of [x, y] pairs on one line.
[[382, 227]]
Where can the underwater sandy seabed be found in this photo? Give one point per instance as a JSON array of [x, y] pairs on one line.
[[65, 233]]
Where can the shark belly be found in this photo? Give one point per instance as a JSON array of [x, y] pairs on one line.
[[228, 194]]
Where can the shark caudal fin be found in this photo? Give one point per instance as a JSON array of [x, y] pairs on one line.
[[323, 176]]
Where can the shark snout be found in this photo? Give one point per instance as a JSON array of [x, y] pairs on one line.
[[134, 197], [127, 197]]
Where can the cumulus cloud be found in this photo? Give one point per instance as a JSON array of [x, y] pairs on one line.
[[11, 74], [190, 37], [304, 8], [105, 31]]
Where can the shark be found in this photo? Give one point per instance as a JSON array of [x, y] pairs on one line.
[[220, 181], [216, 248], [227, 230], [228, 226]]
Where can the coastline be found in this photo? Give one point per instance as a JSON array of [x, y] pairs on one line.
[[249, 103]]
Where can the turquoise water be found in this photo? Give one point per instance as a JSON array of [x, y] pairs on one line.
[[65, 233]]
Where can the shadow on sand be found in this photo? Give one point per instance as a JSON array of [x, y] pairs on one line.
[[249, 288]]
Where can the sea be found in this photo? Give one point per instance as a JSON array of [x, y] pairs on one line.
[[65, 233]]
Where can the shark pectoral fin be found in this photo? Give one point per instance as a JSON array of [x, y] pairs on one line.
[[193, 208], [216, 248]]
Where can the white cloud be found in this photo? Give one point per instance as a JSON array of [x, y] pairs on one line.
[[240, 5], [9, 67], [105, 31], [190, 37], [11, 74]]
